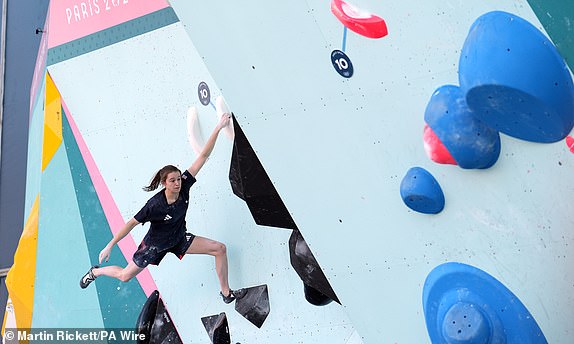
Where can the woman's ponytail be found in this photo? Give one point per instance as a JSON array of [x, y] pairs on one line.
[[160, 177]]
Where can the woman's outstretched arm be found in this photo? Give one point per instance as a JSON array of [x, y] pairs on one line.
[[206, 151]]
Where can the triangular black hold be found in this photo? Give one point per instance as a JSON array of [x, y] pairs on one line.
[[254, 306], [155, 323], [147, 317], [251, 183], [163, 330], [217, 328], [309, 271]]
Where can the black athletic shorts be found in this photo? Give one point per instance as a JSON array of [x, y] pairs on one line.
[[147, 254]]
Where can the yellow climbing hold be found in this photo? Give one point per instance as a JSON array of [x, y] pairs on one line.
[[52, 122], [20, 279]]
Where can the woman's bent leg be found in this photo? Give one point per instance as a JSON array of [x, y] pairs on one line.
[[201, 245]]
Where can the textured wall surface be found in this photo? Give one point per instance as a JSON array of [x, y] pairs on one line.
[[334, 148]]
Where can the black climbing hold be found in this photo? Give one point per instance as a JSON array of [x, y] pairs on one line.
[[146, 317], [217, 328], [315, 297], [155, 323], [254, 306], [251, 183], [309, 271]]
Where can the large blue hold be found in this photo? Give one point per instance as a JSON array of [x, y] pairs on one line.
[[465, 305], [515, 80], [421, 192], [470, 142]]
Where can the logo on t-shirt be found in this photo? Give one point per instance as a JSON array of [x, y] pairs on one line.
[[167, 218]]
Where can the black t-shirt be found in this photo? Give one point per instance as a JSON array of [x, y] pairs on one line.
[[167, 220]]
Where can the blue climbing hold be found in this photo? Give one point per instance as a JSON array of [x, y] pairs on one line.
[[470, 142], [465, 322], [421, 192], [515, 80], [465, 305]]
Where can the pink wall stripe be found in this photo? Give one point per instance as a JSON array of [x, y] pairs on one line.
[[40, 68], [127, 245], [73, 19]]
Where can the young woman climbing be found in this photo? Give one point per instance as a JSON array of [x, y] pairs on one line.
[[166, 212]]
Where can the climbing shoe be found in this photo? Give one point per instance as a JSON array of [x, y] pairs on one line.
[[88, 277], [233, 294]]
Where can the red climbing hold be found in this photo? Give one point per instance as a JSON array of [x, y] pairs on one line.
[[361, 22], [570, 143], [435, 149]]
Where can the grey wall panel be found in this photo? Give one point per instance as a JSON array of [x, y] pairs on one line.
[[23, 18]]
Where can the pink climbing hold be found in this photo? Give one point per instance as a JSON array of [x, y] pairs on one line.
[[570, 143], [435, 149], [361, 22]]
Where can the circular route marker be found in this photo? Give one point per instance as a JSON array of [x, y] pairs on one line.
[[203, 93], [342, 63]]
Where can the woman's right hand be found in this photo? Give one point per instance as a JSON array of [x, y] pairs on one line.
[[224, 121], [105, 254]]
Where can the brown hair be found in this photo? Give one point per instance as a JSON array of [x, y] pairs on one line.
[[160, 177]]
